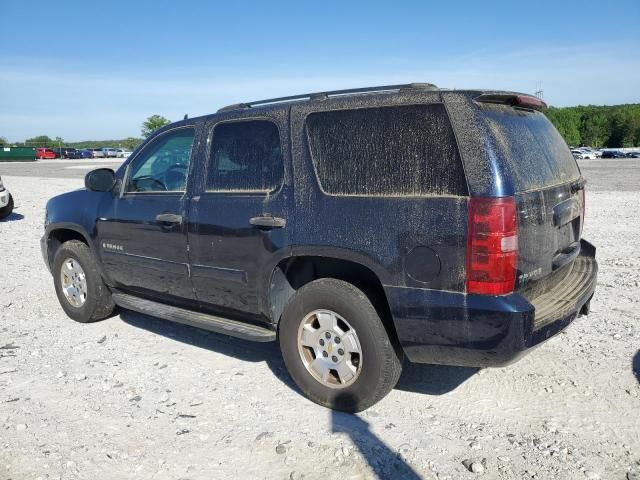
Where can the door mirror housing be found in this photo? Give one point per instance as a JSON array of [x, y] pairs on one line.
[[100, 180]]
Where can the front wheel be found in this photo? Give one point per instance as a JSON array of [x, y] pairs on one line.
[[336, 347], [7, 209], [81, 292]]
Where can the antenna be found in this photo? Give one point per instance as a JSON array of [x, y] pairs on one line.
[[539, 93]]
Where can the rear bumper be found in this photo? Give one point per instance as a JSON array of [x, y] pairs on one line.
[[478, 330]]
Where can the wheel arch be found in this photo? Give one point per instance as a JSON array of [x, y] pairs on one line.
[[293, 272], [59, 234]]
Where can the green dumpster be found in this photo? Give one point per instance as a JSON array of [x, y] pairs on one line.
[[17, 154]]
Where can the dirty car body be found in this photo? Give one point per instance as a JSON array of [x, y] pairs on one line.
[[460, 212]]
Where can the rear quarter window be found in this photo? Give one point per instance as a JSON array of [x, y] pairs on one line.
[[386, 151], [531, 149]]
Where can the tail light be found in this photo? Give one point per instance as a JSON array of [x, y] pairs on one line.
[[492, 245]]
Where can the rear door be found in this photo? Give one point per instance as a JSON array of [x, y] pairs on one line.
[[240, 217], [143, 238]]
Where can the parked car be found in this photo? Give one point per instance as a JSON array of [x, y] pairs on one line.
[[109, 152], [612, 154], [47, 153], [123, 153], [66, 152], [6, 201], [97, 153], [356, 228], [85, 153], [632, 155], [583, 153]]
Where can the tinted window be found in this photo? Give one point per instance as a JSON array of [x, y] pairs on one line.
[[245, 157], [532, 150], [408, 150], [163, 165]]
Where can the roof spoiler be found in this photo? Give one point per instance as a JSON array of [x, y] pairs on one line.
[[513, 99]]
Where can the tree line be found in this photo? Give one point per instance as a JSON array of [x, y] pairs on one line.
[[613, 126], [151, 124]]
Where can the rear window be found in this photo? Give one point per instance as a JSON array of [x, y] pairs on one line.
[[387, 151], [534, 153]]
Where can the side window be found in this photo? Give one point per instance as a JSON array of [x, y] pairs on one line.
[[245, 157], [163, 165], [386, 151]]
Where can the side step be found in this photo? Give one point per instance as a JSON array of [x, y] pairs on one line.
[[195, 319]]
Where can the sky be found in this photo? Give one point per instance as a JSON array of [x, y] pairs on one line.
[[96, 70]]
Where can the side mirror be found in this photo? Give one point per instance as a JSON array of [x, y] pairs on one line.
[[100, 180]]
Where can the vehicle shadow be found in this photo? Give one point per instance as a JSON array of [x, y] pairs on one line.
[[635, 365], [433, 379], [224, 344], [12, 217], [384, 462], [418, 378]]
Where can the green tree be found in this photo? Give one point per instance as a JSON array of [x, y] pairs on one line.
[[39, 141], [596, 129], [626, 125], [131, 142], [598, 126], [567, 121], [4, 141], [153, 123]]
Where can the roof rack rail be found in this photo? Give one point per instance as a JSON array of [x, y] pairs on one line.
[[325, 95]]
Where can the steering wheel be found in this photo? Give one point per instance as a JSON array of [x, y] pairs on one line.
[[175, 177]]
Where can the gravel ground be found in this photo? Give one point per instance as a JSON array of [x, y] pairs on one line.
[[136, 397], [57, 168]]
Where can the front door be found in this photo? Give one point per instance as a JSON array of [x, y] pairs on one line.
[[143, 240], [240, 219]]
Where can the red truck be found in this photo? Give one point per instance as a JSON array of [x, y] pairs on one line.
[[45, 153]]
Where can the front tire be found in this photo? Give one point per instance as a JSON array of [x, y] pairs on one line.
[[7, 209], [81, 292], [336, 347]]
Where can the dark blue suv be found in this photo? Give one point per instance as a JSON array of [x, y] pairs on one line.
[[357, 228]]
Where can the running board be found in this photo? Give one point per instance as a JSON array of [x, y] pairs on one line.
[[212, 323]]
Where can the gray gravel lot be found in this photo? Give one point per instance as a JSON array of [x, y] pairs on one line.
[[136, 397], [57, 168]]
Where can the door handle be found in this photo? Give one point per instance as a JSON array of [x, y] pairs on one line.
[[267, 221], [168, 218]]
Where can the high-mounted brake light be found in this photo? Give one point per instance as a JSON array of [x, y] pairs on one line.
[[530, 102], [492, 245], [513, 99]]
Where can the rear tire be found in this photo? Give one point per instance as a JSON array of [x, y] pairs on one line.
[[81, 292], [377, 366], [7, 209]]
